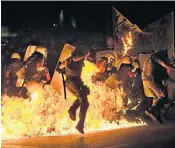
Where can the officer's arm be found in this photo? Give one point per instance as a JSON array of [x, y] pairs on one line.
[[162, 63], [167, 66], [28, 61], [78, 57]]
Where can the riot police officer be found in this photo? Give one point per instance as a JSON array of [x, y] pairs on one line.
[[73, 69], [10, 75]]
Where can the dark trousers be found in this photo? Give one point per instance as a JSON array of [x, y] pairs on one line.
[[12, 90], [145, 104], [77, 88]]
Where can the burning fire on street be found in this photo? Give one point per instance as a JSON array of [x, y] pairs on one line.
[[46, 112]]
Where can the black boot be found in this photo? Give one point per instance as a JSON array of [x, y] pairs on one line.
[[154, 114], [83, 110], [72, 110], [164, 111], [72, 114], [80, 129], [164, 104]]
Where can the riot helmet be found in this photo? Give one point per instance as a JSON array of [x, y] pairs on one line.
[[42, 50], [15, 56]]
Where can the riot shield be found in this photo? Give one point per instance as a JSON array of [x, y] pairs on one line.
[[57, 82]]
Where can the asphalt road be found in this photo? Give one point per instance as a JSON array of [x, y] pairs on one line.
[[148, 136]]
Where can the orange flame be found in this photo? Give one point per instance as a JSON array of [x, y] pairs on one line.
[[127, 43], [46, 113]]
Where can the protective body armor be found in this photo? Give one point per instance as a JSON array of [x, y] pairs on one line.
[[13, 67], [73, 68], [31, 71]]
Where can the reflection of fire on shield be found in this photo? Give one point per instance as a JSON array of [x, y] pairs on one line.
[[29, 51], [56, 81]]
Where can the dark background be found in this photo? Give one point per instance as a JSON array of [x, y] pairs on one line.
[[92, 16], [33, 22]]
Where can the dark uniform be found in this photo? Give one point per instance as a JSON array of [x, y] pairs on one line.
[[126, 82], [130, 85], [75, 85], [150, 87], [153, 75], [154, 71], [11, 77], [130, 75], [33, 65], [35, 69], [105, 70]]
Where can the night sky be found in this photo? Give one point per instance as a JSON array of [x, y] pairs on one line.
[[96, 16]]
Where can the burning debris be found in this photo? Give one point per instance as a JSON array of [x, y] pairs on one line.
[[46, 112]]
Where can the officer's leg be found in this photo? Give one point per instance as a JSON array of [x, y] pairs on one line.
[[71, 86], [133, 99], [145, 104], [12, 90], [76, 88], [152, 112], [125, 99], [73, 108], [162, 98], [156, 90], [84, 104], [155, 111], [24, 93], [81, 92], [82, 115], [147, 90]]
